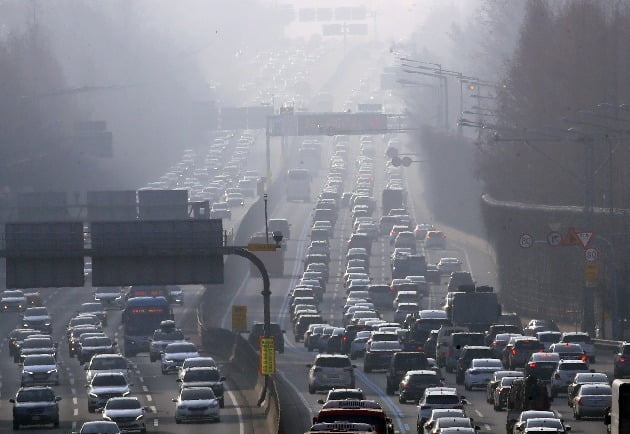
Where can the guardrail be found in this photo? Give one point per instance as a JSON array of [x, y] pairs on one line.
[[604, 344]]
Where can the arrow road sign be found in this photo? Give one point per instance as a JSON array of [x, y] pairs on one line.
[[554, 238], [591, 254], [585, 237], [526, 241]]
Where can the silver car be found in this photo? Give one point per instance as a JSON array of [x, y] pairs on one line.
[[174, 355], [40, 370], [104, 387], [107, 364], [330, 371], [196, 404], [127, 412]]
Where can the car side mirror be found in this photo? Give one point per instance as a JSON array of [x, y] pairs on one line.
[[309, 365], [12, 400], [222, 378], [179, 380], [320, 401], [57, 398], [477, 427], [174, 399]]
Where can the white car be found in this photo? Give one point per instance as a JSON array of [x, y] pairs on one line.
[[104, 387], [449, 265], [480, 372], [13, 300], [196, 404], [39, 370], [435, 398], [174, 355], [330, 371], [127, 412], [442, 412], [564, 374], [107, 364], [359, 344], [583, 340]]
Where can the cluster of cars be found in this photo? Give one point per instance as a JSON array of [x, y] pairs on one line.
[[219, 177]]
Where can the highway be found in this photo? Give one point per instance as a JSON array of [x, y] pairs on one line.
[[472, 251]]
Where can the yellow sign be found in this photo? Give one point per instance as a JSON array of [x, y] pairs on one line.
[[239, 318], [591, 272], [267, 356], [261, 247]]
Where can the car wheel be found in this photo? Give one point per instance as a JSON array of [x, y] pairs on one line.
[[593, 359], [389, 390], [496, 408], [152, 359], [576, 415], [16, 425], [352, 356], [56, 424], [367, 369], [401, 399], [90, 409], [178, 421], [164, 372], [467, 387], [222, 402]]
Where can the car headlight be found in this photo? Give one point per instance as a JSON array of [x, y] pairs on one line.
[[127, 393], [52, 371], [29, 373], [92, 395], [107, 418], [140, 417], [214, 404]]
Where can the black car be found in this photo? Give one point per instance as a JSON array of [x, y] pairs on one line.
[[274, 331], [16, 337], [496, 329], [414, 383], [466, 356], [35, 406], [402, 362]]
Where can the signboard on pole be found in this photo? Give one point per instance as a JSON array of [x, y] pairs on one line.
[[584, 237], [554, 238], [267, 356], [591, 254], [239, 318], [591, 272], [44, 255], [526, 241]]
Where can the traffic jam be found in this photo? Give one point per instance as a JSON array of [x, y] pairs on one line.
[[438, 337]]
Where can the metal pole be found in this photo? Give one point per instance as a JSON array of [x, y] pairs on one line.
[[588, 308], [266, 220], [266, 293], [446, 121], [268, 156], [460, 129]]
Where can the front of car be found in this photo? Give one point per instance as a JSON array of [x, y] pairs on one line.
[[204, 377], [161, 338], [39, 370], [105, 386], [174, 355], [127, 412], [13, 301], [95, 345], [196, 404], [37, 318], [35, 406]]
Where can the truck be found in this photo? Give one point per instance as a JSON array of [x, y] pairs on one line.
[[474, 307], [618, 418], [393, 198]]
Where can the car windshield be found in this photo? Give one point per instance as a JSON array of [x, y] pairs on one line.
[[106, 363], [202, 375], [442, 399], [39, 359], [596, 389], [333, 362], [97, 342], [109, 380], [175, 335], [385, 345], [181, 348], [35, 395], [423, 379], [576, 338], [453, 421], [36, 311], [37, 343], [91, 307], [12, 294], [122, 404], [99, 428], [548, 422], [195, 394], [573, 367], [507, 381], [487, 364]]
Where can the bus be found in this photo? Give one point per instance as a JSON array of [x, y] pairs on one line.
[[618, 419], [140, 318], [273, 260], [148, 291], [298, 183]]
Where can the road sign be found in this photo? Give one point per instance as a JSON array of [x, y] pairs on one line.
[[591, 254], [571, 238], [591, 272], [267, 356], [396, 161], [584, 237], [406, 161], [554, 238], [239, 318], [261, 247], [526, 241], [391, 152], [43, 255]]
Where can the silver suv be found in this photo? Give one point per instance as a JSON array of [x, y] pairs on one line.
[[330, 371]]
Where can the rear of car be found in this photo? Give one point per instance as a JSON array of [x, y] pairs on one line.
[[456, 344], [522, 351], [437, 398], [592, 400], [330, 371], [480, 372], [414, 383], [564, 374], [622, 361], [583, 340], [542, 366]]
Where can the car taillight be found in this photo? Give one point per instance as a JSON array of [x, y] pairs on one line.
[[579, 401], [500, 389], [532, 364], [622, 359], [494, 344], [584, 357], [513, 351], [392, 288], [541, 351], [345, 338]]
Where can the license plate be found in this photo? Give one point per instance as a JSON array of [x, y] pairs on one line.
[[333, 377], [35, 417]]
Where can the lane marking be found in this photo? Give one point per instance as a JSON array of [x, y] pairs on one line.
[[478, 413], [153, 409], [75, 401], [75, 412], [74, 425], [155, 422], [145, 388], [487, 427], [149, 398], [73, 391], [239, 412], [141, 379]]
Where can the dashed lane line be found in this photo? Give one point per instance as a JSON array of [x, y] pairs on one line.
[[75, 401], [75, 412], [479, 413], [149, 398], [145, 388], [487, 427], [155, 422]]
